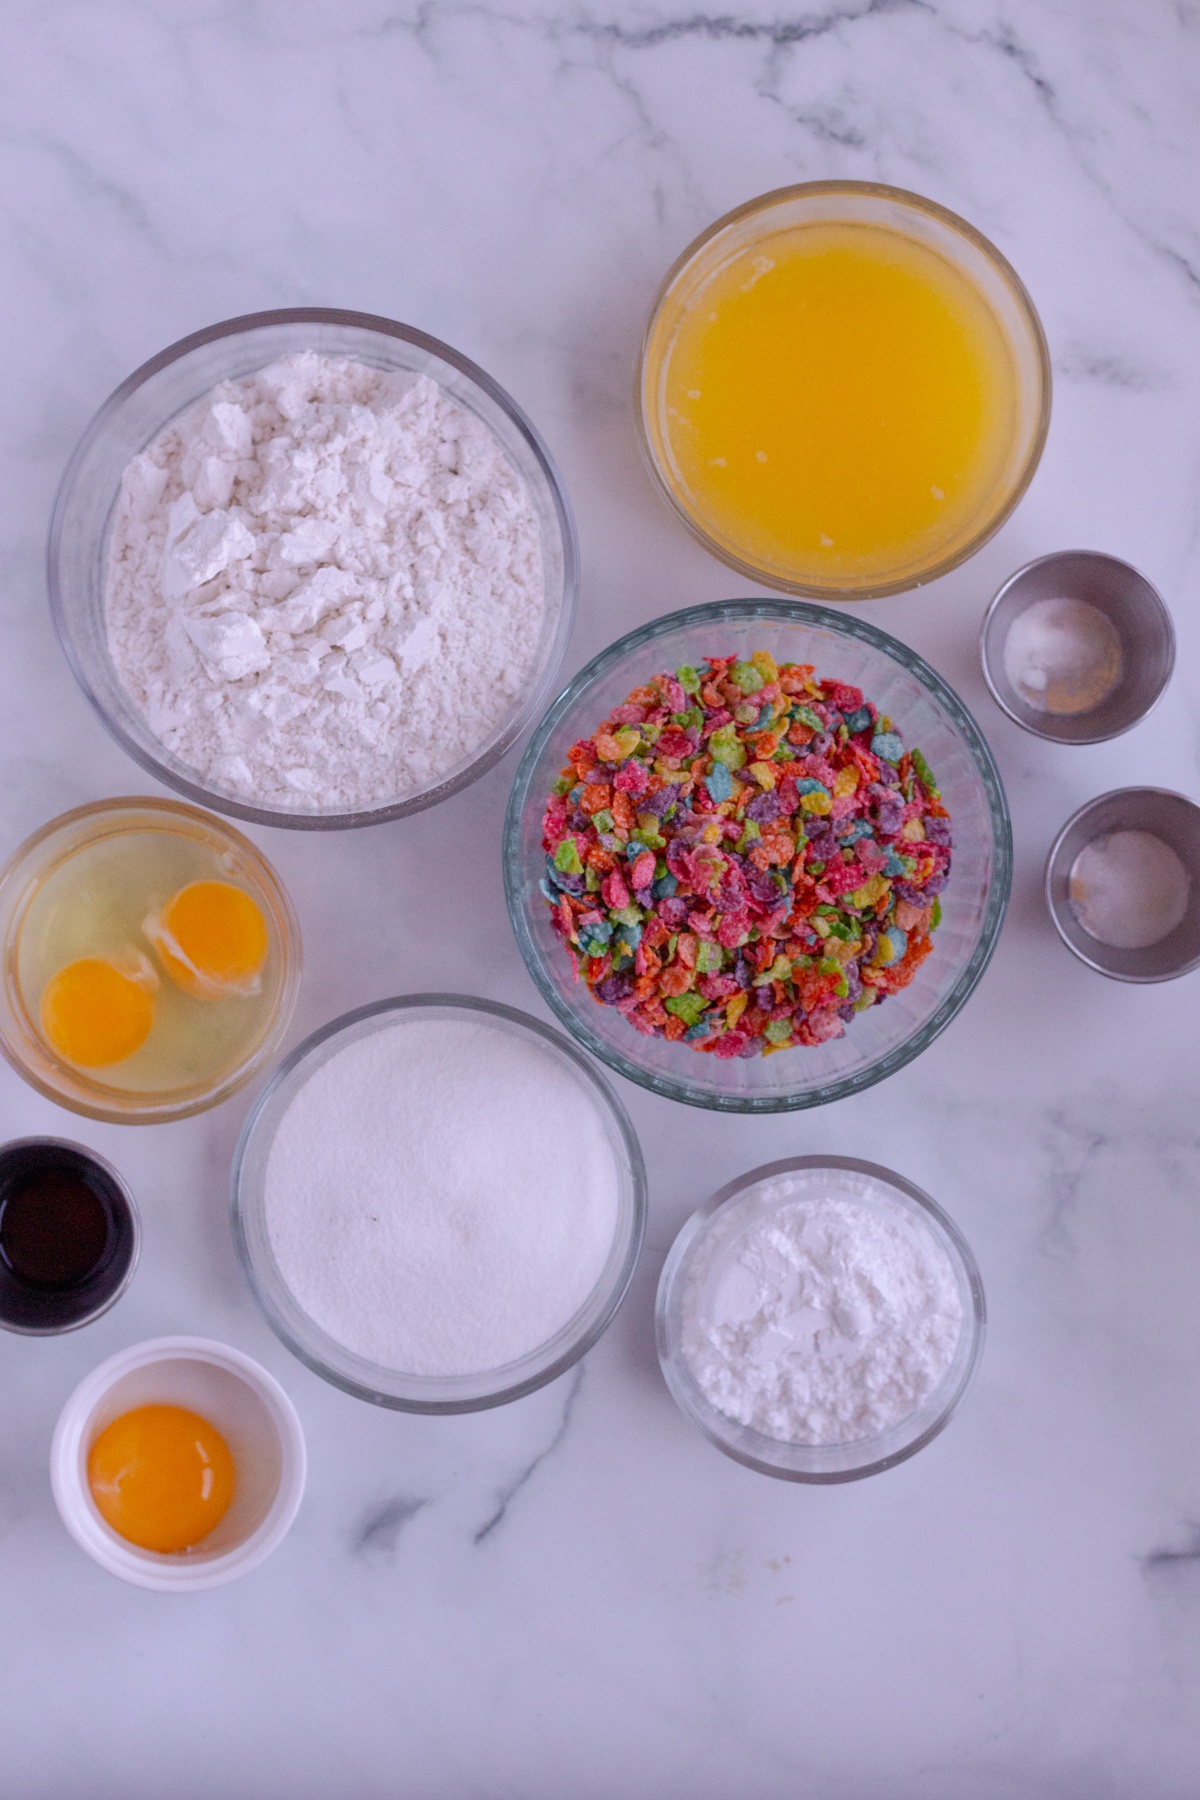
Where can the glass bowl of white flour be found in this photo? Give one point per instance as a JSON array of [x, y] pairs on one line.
[[438, 1203], [313, 568], [820, 1319]]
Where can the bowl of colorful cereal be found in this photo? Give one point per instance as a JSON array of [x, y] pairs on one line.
[[757, 855]]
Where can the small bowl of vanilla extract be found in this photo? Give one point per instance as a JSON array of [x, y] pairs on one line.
[[69, 1236]]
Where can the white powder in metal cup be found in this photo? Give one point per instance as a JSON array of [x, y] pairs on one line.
[[441, 1196], [325, 584], [1129, 889], [819, 1314], [1063, 656]]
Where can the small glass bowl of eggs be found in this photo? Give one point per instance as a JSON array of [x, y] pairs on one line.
[[151, 960]]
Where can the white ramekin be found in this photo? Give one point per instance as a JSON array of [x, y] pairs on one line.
[[253, 1415]]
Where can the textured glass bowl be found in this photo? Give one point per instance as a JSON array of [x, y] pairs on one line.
[[823, 1463], [77, 552], [905, 215], [927, 714], [48, 850], [345, 1368]]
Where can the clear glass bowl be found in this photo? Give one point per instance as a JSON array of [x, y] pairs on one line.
[[907, 216], [50, 851], [77, 552], [823, 1463], [37, 1310], [927, 713], [373, 1381]]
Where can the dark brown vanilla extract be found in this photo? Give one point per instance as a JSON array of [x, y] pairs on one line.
[[68, 1237]]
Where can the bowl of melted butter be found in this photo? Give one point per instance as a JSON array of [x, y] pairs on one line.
[[844, 389]]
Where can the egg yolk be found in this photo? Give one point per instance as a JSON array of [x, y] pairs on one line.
[[162, 1477], [95, 1013], [212, 939]]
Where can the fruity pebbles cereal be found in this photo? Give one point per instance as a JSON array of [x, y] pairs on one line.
[[744, 856]]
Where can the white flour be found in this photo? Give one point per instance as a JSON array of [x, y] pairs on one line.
[[441, 1197], [325, 584], [816, 1318]]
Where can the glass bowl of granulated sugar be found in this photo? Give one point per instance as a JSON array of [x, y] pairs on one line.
[[438, 1203], [820, 1319], [313, 568]]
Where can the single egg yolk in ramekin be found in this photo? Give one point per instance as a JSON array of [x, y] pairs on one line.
[[162, 1477]]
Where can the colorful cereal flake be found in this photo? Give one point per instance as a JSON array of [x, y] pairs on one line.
[[743, 856]]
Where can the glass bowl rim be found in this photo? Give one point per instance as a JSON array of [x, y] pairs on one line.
[[904, 197], [571, 1353], [688, 1236], [781, 610], [291, 953], [556, 491]]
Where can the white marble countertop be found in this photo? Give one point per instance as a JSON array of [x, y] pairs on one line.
[[576, 1595]]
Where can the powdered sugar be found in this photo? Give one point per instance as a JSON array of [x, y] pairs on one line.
[[325, 584], [819, 1316], [442, 1196]]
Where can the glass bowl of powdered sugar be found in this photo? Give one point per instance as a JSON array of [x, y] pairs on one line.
[[438, 1203], [820, 1319], [313, 568]]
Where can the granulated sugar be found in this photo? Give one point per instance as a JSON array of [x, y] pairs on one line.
[[442, 1196], [325, 585], [816, 1317]]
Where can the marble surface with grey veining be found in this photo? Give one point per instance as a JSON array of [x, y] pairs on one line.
[[576, 1595]]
